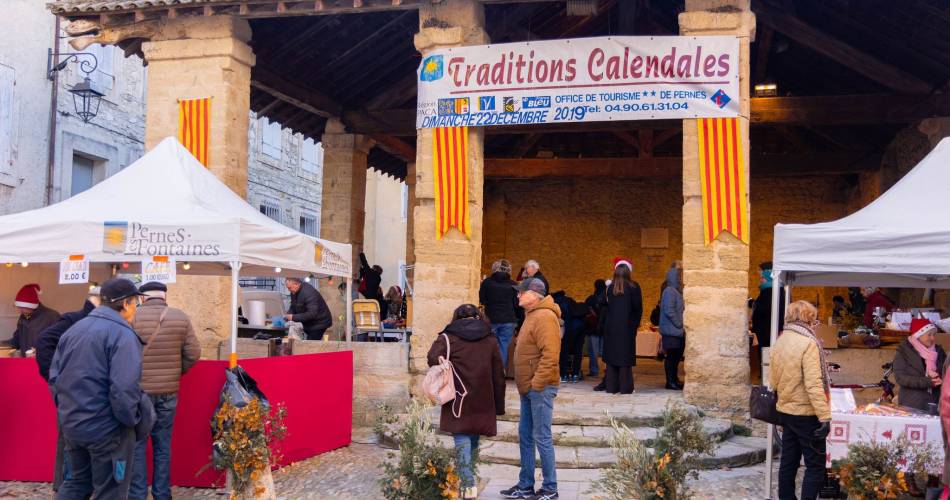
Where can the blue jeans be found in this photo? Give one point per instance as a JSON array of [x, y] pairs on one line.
[[161, 453], [595, 349], [504, 332], [465, 444], [534, 432]]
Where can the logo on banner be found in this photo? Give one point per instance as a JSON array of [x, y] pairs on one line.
[[114, 234], [328, 260], [509, 104], [453, 107], [720, 98], [432, 69], [536, 102], [486, 103]]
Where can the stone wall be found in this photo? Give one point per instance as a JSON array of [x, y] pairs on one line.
[[575, 227], [380, 374]]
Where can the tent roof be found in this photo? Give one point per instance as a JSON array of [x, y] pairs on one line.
[[167, 203], [902, 239]]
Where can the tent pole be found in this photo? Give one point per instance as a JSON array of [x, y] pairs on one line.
[[349, 309], [235, 271], [773, 335]]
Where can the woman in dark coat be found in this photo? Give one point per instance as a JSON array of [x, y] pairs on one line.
[[623, 304], [917, 367], [479, 382]]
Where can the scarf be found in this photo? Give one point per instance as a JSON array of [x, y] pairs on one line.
[[806, 331], [767, 275], [928, 353]]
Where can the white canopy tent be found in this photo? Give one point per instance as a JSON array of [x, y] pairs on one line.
[[168, 204], [901, 240]]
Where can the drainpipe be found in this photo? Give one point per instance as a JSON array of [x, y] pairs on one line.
[[54, 94]]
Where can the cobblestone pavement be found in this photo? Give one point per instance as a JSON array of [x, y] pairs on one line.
[[352, 473]]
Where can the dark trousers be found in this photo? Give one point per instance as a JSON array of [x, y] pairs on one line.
[[619, 379], [798, 439], [672, 365], [103, 467], [315, 334], [161, 435], [572, 353]]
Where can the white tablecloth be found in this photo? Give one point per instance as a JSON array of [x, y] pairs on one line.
[[848, 428]]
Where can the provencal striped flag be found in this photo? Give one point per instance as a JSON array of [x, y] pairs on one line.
[[722, 173], [194, 116], [450, 162]]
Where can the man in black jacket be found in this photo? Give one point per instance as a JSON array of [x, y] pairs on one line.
[[500, 299], [45, 348], [308, 307]]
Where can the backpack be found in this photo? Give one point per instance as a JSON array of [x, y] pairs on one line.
[[655, 315], [439, 383]]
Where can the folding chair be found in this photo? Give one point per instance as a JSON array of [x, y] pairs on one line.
[[366, 314]]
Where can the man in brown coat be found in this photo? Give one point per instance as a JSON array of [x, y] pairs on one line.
[[171, 348], [537, 355]]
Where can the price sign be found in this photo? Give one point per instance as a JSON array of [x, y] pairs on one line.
[[73, 269], [158, 268]]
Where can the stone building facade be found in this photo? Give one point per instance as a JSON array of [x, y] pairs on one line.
[[76, 154]]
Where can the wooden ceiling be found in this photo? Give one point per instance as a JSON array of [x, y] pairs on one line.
[[884, 64]]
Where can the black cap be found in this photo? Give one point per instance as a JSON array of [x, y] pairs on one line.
[[532, 285], [153, 286], [117, 289]]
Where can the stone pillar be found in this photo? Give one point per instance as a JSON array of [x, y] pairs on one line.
[[447, 270], [193, 58], [343, 206], [716, 276]]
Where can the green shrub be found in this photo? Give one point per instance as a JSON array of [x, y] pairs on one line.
[[658, 473], [422, 469], [874, 470]]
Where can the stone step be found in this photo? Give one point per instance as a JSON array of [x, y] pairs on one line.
[[597, 435], [737, 451]]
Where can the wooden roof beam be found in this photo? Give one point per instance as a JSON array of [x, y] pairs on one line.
[[306, 98], [395, 146], [879, 71]]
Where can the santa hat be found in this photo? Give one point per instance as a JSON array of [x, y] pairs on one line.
[[923, 328], [620, 261], [28, 296]]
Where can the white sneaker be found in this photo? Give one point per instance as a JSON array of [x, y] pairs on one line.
[[470, 492]]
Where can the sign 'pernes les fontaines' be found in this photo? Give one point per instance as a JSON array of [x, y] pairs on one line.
[[578, 80], [137, 239]]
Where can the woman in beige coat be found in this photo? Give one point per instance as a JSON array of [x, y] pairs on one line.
[[799, 375]]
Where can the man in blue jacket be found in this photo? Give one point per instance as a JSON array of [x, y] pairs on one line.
[[95, 379]]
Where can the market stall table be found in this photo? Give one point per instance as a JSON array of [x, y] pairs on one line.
[[249, 331], [851, 428]]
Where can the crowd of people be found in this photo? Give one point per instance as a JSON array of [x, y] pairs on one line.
[[525, 331], [799, 374], [113, 369]]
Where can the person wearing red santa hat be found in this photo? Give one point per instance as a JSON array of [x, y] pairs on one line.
[[623, 303], [34, 318], [917, 366]]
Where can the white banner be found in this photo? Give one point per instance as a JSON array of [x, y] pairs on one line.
[[580, 80], [73, 269], [131, 239], [161, 269]]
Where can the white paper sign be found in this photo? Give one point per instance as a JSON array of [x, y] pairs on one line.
[[73, 270], [842, 400], [580, 80], [160, 269]]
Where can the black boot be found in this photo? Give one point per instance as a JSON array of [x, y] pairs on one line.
[[602, 386]]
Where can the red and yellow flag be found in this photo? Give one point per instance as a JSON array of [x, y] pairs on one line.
[[194, 115], [450, 162], [722, 173]]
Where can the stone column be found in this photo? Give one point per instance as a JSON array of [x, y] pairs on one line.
[[716, 276], [193, 58], [447, 270], [343, 206]]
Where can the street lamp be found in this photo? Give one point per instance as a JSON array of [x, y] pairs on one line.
[[86, 98]]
